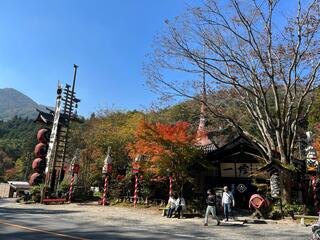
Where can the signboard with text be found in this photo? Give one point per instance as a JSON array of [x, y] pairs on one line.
[[241, 170]]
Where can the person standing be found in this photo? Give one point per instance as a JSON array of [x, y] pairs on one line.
[[180, 206], [227, 200], [211, 207], [172, 205]]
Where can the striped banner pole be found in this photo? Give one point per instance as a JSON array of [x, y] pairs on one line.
[[170, 187], [104, 200], [71, 187], [135, 191], [315, 199]]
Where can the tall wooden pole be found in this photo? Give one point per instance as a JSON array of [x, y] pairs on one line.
[[69, 112]]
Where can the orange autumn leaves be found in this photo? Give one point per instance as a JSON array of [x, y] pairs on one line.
[[316, 143], [161, 144]]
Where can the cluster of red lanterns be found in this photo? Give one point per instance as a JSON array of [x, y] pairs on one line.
[[40, 151]]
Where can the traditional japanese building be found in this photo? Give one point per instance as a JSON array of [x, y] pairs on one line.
[[233, 164]]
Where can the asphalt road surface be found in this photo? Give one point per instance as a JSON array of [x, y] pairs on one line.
[[20, 221]]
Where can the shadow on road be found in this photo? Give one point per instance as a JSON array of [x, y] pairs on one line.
[[11, 212]]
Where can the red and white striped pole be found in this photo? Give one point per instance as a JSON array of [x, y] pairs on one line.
[[104, 200], [135, 191], [315, 199], [71, 187], [170, 187]]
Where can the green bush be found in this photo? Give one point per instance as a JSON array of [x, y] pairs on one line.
[[275, 214], [293, 209], [35, 192], [64, 186]]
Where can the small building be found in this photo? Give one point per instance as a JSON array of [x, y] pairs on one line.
[[234, 165], [13, 188]]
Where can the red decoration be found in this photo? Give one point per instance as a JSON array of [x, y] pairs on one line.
[[257, 201], [39, 165], [41, 150], [36, 178], [71, 187], [104, 200], [109, 168], [170, 188], [43, 135], [135, 191], [135, 167], [75, 168], [314, 188]]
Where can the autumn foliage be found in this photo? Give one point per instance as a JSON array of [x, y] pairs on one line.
[[316, 143], [166, 148]]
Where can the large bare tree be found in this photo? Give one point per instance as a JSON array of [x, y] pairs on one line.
[[268, 57]]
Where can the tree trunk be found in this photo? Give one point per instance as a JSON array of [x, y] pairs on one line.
[[286, 187]]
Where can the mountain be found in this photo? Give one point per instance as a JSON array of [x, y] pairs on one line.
[[14, 103]]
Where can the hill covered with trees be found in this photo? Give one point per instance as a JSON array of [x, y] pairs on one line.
[[14, 103], [17, 140]]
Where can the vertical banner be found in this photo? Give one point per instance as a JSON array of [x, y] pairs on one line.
[[311, 160], [275, 185]]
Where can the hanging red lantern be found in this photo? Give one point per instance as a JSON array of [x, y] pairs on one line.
[[135, 167], [39, 165], [41, 150], [36, 178], [75, 168], [43, 135]]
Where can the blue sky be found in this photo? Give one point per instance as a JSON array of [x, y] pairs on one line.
[[41, 40]]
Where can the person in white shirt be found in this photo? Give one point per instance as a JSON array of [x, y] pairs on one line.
[[227, 200], [172, 205], [180, 205]]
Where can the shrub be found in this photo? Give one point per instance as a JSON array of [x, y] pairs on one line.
[[292, 209], [35, 192]]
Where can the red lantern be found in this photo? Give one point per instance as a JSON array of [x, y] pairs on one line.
[[75, 168], [135, 167], [109, 168], [41, 150], [43, 135], [36, 178], [39, 165]]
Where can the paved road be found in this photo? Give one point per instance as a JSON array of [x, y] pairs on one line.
[[19, 221]]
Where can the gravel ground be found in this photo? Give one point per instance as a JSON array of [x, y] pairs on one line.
[[150, 219]]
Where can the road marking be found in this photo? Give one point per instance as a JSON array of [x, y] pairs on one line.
[[40, 230]]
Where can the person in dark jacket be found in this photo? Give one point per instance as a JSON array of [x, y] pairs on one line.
[[211, 207]]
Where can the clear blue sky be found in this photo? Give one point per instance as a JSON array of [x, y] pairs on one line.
[[41, 40]]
